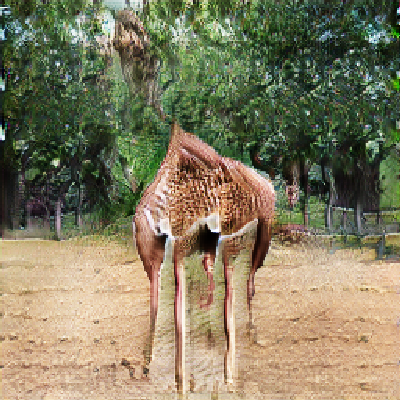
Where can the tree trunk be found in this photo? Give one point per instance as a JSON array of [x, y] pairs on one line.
[[304, 183], [78, 210], [328, 213], [15, 213], [328, 180], [378, 213], [46, 219], [358, 209], [8, 193], [57, 219], [28, 210]]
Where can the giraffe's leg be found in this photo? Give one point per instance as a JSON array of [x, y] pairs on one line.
[[250, 293], [154, 284], [208, 244], [260, 250], [229, 316], [180, 323], [151, 249], [208, 263]]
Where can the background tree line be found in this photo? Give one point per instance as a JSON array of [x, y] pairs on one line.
[[261, 81]]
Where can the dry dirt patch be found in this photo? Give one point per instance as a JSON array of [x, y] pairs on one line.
[[72, 311]]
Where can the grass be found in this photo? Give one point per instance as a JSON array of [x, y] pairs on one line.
[[121, 229], [390, 185], [374, 242], [390, 218], [316, 212]]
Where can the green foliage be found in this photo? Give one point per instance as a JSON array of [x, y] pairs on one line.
[[299, 78], [390, 186], [61, 119]]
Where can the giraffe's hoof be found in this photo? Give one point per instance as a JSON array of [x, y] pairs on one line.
[[230, 385], [252, 330], [146, 370], [250, 326]]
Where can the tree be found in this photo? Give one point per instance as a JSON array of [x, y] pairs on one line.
[[312, 81], [61, 119], [255, 94]]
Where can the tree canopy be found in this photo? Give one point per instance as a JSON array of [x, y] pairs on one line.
[[304, 77]]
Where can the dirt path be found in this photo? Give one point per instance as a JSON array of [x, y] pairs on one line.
[[72, 311]]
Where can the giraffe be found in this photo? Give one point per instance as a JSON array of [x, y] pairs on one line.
[[196, 197]]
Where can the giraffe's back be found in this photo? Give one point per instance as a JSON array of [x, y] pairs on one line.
[[196, 192], [189, 188]]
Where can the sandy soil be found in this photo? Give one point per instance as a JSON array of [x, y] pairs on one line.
[[327, 324]]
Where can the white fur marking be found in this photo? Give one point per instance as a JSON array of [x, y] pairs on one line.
[[150, 220], [213, 222], [165, 228], [240, 232]]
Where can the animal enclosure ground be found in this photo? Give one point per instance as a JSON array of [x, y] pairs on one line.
[[71, 312]]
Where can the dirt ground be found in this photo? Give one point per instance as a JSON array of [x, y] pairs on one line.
[[74, 312]]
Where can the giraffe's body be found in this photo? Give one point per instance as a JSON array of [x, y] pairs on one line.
[[197, 192], [206, 188]]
